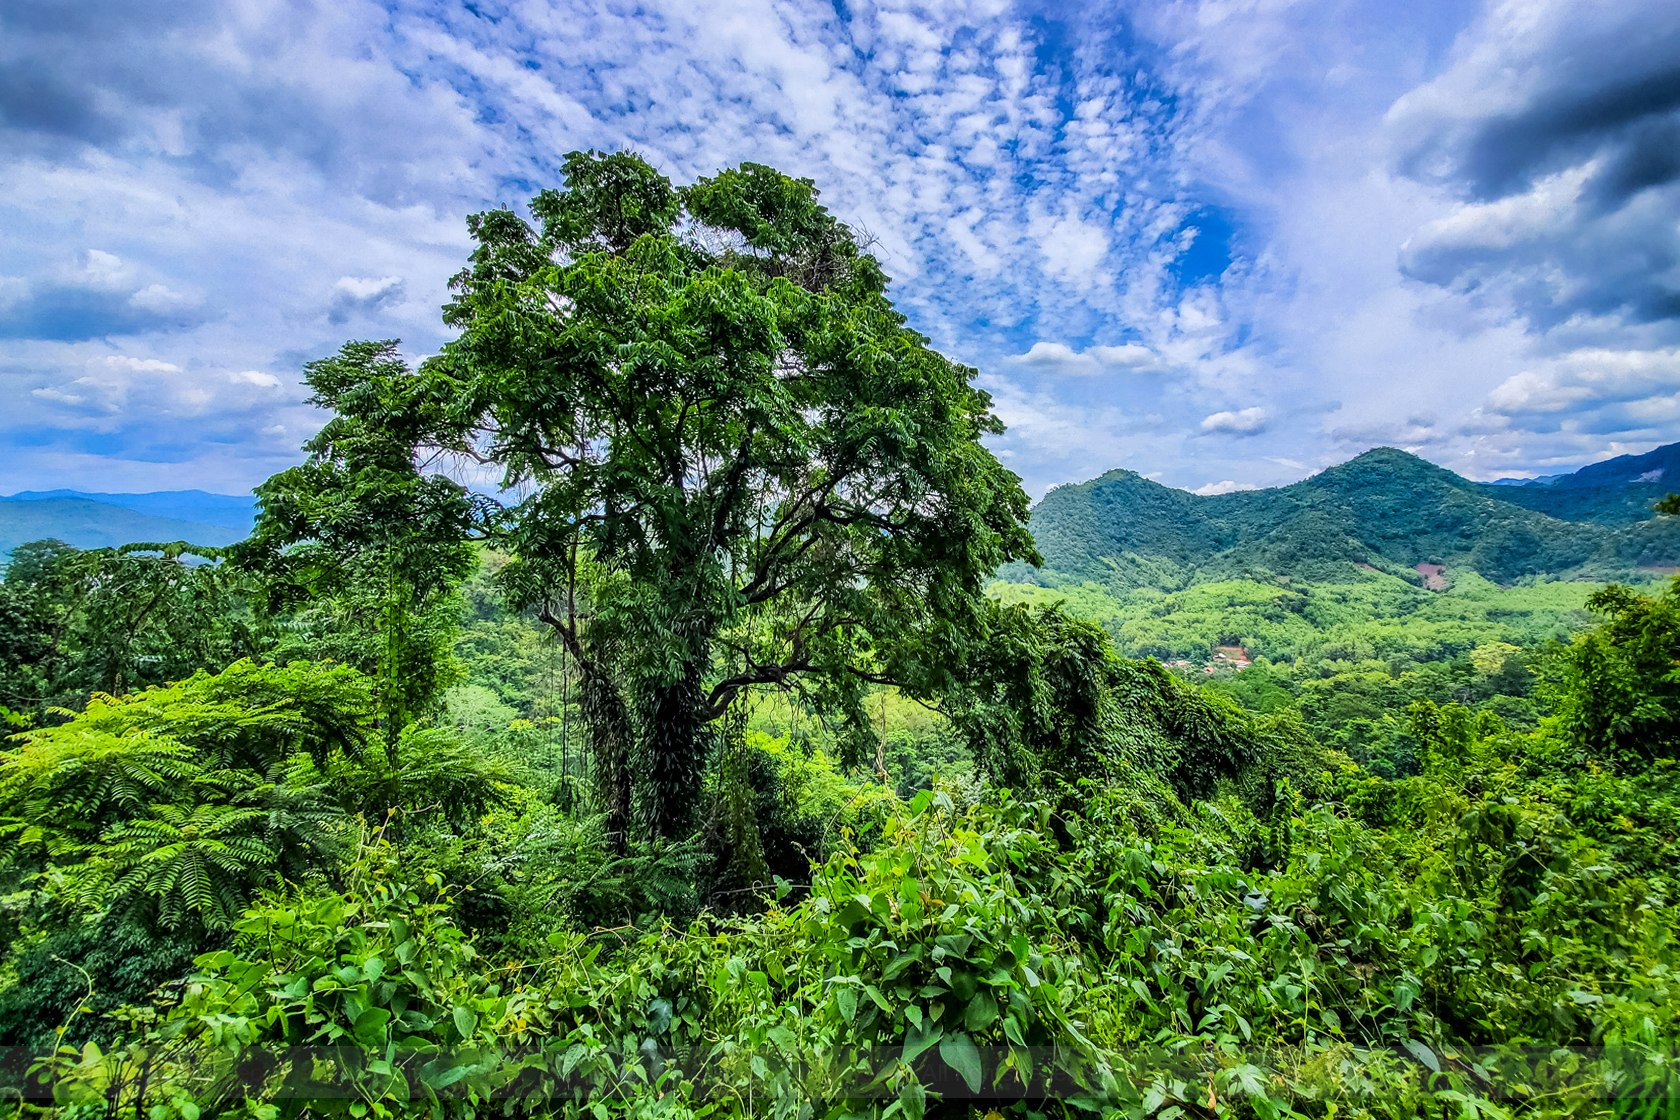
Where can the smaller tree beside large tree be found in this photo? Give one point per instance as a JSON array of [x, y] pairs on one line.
[[360, 536]]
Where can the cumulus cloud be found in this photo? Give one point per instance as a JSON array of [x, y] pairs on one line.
[[1060, 358], [1558, 128], [359, 295], [139, 365], [1245, 422], [1625, 394], [159, 422], [99, 296], [1225, 487], [59, 396]]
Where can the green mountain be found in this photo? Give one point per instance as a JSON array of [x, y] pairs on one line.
[[1617, 492], [88, 524], [1385, 510]]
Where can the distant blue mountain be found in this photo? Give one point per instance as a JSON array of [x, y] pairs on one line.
[[89, 524], [229, 511], [1616, 492], [1661, 465]]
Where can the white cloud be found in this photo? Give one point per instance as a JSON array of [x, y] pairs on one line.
[[1553, 131], [1060, 358], [361, 289], [261, 184], [1245, 422], [139, 365], [1627, 396], [359, 295], [1225, 487], [158, 298], [105, 268]]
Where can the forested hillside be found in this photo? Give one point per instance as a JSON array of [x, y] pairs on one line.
[[1385, 509], [1354, 594], [706, 770]]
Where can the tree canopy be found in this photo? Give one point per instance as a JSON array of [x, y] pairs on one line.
[[740, 466]]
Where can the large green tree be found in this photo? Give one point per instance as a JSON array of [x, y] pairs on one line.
[[740, 467]]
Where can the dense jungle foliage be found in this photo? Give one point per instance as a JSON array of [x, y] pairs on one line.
[[1350, 657], [707, 777]]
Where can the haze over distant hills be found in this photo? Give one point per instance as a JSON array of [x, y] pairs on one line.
[[1385, 510], [230, 511], [106, 520]]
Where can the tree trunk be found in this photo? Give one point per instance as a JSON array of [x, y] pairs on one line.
[[677, 737], [606, 720]]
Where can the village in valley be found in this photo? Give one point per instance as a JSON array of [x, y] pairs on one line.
[[1234, 658]]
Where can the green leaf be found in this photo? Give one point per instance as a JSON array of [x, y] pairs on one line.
[[466, 1021], [982, 1011], [1423, 1054], [919, 1040], [1249, 1079], [369, 1027], [913, 1099], [959, 1053], [846, 1000]]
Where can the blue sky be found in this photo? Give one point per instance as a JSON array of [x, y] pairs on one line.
[[1222, 243]]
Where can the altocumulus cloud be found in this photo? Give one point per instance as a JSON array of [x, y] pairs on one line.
[[1147, 224], [309, 167]]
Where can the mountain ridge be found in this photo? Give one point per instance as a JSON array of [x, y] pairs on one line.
[[89, 524], [1385, 509], [229, 511]]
